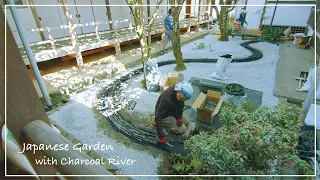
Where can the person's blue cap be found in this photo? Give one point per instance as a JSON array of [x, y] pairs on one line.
[[185, 88]]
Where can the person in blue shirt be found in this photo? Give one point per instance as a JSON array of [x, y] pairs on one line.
[[242, 19], [168, 25]]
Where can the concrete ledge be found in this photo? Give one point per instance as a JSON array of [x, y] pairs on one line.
[[291, 62]]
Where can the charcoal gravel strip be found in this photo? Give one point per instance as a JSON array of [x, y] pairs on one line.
[[142, 136]]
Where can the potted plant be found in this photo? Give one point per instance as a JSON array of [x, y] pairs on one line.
[[234, 89], [234, 94]]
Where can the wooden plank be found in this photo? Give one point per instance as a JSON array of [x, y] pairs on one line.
[[198, 102], [204, 115], [217, 109], [23, 103], [39, 132], [213, 96], [2, 67]]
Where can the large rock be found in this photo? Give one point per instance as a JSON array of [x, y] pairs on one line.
[[152, 75]]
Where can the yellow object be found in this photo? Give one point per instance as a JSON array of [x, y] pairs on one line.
[[219, 36]]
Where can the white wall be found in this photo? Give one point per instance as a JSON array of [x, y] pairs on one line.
[[293, 15], [27, 22]]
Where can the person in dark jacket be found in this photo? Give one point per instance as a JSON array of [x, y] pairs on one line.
[[168, 25], [169, 116], [242, 19]]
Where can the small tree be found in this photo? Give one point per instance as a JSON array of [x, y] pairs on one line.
[[175, 10], [138, 13], [223, 17]]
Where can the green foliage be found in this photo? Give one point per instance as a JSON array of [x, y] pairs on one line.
[[248, 143], [272, 34], [57, 99]]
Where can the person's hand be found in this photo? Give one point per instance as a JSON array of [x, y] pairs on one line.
[[163, 141], [179, 122]]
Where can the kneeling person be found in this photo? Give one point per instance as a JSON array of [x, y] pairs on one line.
[[169, 109]]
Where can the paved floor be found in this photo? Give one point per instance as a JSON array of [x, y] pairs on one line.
[[291, 62]]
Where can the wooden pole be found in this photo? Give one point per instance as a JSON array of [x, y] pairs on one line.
[[245, 6], [274, 12], [37, 20], [109, 14], [51, 39], [97, 32]]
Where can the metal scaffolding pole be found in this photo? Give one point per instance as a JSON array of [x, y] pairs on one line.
[[29, 53]]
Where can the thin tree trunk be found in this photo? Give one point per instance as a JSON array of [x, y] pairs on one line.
[[176, 40], [224, 23], [262, 14], [143, 40]]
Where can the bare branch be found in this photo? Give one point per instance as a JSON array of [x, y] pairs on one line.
[[232, 8], [155, 14], [217, 11]]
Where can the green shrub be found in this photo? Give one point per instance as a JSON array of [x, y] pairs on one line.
[[272, 34], [248, 143]]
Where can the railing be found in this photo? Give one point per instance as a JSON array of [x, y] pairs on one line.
[[97, 32]]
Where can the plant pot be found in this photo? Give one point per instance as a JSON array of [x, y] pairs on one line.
[[234, 94], [235, 89]]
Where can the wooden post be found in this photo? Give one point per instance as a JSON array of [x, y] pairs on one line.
[[51, 39], [73, 35], [274, 12], [109, 14], [115, 28], [97, 32], [130, 26], [37, 20], [245, 7], [118, 49]]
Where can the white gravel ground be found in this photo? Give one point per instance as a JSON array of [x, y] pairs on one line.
[[77, 118], [190, 51], [257, 75]]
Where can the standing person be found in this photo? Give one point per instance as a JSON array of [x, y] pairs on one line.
[[169, 109], [242, 19], [168, 25]]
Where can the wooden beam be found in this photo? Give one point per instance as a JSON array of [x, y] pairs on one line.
[[23, 103], [37, 132], [36, 18], [109, 14]]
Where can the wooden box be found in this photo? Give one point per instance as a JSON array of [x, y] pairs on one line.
[[254, 31], [205, 115], [171, 79], [302, 39], [302, 46]]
